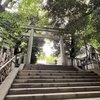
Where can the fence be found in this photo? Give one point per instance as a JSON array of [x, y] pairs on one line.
[[5, 69], [8, 65], [86, 63]]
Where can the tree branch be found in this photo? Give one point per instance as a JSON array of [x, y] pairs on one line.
[[0, 2], [5, 4]]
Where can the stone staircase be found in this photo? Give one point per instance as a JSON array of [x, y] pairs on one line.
[[52, 82]]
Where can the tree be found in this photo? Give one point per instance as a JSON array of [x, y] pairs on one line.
[[74, 16], [8, 4], [10, 21], [11, 30], [36, 49], [31, 10]]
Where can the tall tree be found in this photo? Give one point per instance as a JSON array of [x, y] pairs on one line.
[[7, 4], [73, 15], [31, 10]]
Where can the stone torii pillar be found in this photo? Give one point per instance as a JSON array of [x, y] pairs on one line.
[[43, 36], [62, 52], [30, 44]]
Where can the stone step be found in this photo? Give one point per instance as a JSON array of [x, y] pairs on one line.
[[37, 65], [47, 66], [47, 82], [64, 84], [32, 68], [16, 91], [55, 77], [53, 96], [54, 74], [93, 98], [53, 71], [53, 80]]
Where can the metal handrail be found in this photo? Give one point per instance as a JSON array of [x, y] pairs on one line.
[[7, 63], [87, 63], [5, 69]]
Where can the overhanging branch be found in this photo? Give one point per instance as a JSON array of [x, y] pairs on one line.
[[5, 4]]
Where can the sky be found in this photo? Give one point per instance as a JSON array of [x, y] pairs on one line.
[[47, 48], [15, 6], [44, 2]]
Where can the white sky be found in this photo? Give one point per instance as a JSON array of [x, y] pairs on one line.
[[3, 1], [47, 48], [44, 2], [15, 6]]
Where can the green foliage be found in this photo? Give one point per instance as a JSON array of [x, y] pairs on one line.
[[29, 7], [32, 12], [91, 32], [83, 20], [50, 59], [80, 18], [12, 31], [29, 12]]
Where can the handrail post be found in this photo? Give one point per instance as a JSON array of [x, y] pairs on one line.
[[20, 58], [5, 69], [15, 60], [13, 63]]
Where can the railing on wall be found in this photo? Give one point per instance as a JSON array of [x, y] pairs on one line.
[[8, 66], [86, 63], [5, 69], [93, 62], [76, 62]]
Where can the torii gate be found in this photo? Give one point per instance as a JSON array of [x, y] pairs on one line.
[[32, 34]]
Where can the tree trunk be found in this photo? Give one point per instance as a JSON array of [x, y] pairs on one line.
[[5, 4], [1, 9], [72, 52]]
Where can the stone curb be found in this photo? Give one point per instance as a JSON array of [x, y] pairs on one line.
[[21, 66], [7, 83]]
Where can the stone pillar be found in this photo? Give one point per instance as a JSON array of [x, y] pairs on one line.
[[1, 51], [30, 44], [20, 58], [62, 52], [13, 63], [25, 57]]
